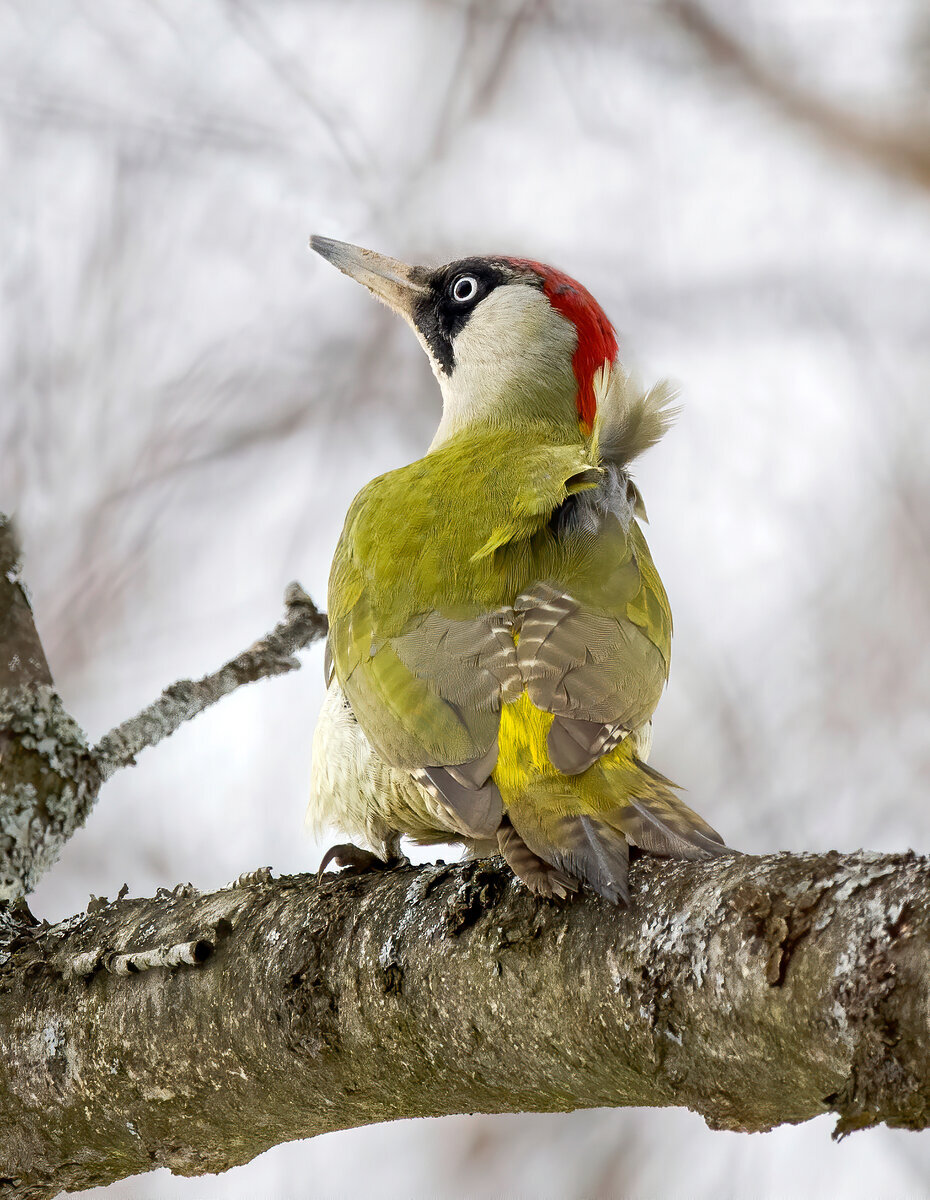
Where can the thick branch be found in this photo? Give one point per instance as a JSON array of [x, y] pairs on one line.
[[47, 781], [194, 1032]]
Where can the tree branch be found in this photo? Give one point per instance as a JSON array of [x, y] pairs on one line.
[[48, 782], [22, 659], [193, 1032], [49, 778], [270, 655]]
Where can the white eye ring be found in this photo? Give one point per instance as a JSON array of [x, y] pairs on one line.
[[465, 288]]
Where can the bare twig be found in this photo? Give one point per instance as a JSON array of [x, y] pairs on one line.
[[270, 655]]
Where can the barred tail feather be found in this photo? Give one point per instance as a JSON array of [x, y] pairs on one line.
[[539, 875], [598, 855], [656, 820], [578, 846]]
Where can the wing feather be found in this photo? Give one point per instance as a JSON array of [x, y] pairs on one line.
[[588, 641]]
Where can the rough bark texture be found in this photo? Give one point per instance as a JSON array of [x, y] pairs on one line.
[[49, 782], [22, 659], [194, 1032], [48, 779]]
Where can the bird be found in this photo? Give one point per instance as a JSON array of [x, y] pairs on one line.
[[499, 636]]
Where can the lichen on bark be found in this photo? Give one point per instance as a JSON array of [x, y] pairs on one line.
[[48, 778], [48, 783]]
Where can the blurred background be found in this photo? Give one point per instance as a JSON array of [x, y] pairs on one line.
[[190, 399]]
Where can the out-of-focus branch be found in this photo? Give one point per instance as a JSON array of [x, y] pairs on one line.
[[270, 655], [902, 150], [49, 778], [193, 1032]]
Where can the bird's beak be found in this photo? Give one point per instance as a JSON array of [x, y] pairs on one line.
[[396, 283]]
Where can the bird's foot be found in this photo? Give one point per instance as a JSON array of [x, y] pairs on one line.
[[353, 860]]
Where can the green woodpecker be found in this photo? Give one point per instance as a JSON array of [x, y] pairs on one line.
[[499, 636]]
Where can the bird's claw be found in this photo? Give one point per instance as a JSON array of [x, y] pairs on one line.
[[355, 861]]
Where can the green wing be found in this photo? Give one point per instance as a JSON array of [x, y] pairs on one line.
[[649, 608], [442, 610], [421, 630], [595, 643], [430, 695]]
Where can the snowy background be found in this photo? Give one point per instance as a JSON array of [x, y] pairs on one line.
[[190, 399]]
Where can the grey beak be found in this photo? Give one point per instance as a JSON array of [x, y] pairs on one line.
[[394, 282]]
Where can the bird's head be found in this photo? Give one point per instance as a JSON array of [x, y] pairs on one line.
[[509, 339]]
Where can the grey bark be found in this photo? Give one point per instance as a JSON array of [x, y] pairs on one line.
[[48, 779], [194, 1031]]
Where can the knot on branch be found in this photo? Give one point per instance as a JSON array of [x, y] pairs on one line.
[[778, 922], [253, 878], [191, 953]]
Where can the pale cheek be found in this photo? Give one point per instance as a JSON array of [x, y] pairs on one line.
[[514, 342], [515, 329]]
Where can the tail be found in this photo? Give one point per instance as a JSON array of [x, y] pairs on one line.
[[582, 826], [655, 819]]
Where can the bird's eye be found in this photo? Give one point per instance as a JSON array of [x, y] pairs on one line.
[[465, 288]]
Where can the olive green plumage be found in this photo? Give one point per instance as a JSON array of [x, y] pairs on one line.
[[459, 535], [445, 612], [499, 635]]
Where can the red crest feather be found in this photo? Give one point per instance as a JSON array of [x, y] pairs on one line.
[[597, 341]]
